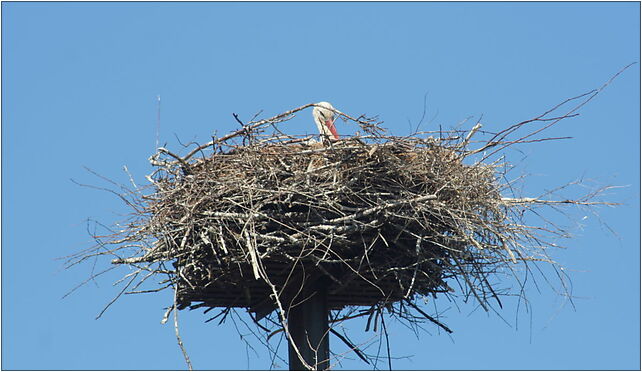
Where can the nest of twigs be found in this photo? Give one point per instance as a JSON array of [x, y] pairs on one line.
[[265, 219], [259, 220], [374, 223]]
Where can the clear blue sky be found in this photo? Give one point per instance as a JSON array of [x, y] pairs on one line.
[[79, 87]]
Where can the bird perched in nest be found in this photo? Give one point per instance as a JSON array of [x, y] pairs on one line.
[[323, 115]]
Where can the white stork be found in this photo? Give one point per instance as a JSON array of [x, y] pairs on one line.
[[323, 114]]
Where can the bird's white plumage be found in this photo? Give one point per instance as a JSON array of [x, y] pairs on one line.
[[323, 115]]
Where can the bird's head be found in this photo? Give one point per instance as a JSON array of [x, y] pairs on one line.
[[323, 114]]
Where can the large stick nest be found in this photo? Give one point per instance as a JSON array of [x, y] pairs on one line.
[[260, 220], [266, 219], [374, 223]]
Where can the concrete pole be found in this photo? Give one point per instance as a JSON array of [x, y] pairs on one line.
[[308, 325]]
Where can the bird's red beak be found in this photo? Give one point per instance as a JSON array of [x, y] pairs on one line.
[[333, 130]]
